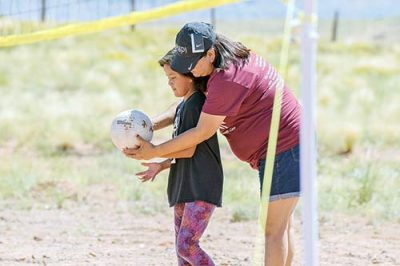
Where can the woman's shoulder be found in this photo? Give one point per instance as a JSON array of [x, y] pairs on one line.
[[239, 75], [223, 75]]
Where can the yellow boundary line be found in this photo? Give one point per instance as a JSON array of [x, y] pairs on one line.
[[109, 23], [258, 258]]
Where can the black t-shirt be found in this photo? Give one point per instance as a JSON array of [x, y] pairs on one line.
[[199, 177]]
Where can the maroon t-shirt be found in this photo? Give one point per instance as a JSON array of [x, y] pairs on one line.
[[245, 95]]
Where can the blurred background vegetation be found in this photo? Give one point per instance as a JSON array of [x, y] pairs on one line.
[[57, 101]]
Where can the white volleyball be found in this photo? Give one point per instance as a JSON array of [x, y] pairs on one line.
[[127, 125]]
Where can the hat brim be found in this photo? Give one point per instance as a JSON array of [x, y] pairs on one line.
[[185, 64]]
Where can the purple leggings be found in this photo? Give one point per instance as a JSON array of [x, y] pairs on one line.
[[191, 219]]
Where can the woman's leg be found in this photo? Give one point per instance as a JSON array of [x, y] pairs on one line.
[[276, 238], [194, 221], [285, 192], [178, 214], [289, 230]]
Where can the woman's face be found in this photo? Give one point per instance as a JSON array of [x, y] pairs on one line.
[[204, 66], [181, 85]]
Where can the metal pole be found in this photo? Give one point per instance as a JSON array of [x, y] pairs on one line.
[[307, 135], [213, 18]]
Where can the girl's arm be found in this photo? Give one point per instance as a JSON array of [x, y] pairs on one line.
[[165, 119], [165, 164], [153, 169]]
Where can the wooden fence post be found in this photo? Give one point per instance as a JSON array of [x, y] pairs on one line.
[[132, 9], [335, 26], [43, 11]]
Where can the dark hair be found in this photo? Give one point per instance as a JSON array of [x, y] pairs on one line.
[[229, 52], [200, 83]]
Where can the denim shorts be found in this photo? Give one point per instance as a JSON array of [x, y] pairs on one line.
[[286, 177]]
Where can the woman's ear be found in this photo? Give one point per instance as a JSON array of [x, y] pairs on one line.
[[211, 55]]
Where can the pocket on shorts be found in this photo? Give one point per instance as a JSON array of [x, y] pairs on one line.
[[295, 152]]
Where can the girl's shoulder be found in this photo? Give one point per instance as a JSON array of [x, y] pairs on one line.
[[194, 104], [196, 98]]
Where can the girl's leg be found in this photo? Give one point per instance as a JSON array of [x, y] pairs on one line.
[[178, 214], [195, 220], [276, 238]]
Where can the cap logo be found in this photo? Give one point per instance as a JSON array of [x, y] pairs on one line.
[[181, 49], [197, 43]]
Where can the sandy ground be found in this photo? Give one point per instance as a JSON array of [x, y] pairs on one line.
[[104, 231]]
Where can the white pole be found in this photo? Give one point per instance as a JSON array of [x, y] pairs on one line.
[[307, 135]]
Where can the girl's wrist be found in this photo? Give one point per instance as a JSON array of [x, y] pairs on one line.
[[165, 164]]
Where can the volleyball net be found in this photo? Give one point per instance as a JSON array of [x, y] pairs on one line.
[[16, 26], [27, 22]]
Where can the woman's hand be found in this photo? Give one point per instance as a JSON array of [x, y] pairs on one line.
[[151, 172], [145, 151]]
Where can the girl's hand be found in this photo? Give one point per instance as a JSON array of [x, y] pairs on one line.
[[151, 172]]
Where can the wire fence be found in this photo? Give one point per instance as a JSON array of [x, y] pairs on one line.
[[83, 10], [372, 19]]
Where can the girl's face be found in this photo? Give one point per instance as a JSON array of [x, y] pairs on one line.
[[204, 66], [181, 85]]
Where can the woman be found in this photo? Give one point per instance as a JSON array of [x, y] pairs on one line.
[[240, 94]]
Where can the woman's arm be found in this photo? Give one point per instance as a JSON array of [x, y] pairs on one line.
[[206, 127], [165, 119], [187, 153]]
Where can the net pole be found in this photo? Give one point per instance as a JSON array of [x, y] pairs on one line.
[[307, 135]]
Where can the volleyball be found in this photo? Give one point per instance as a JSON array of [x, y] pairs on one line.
[[127, 125]]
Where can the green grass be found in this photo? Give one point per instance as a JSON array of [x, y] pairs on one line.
[[58, 99]]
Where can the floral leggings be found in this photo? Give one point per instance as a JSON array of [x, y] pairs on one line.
[[191, 219]]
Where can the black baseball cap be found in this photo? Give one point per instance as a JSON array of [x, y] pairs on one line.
[[191, 42]]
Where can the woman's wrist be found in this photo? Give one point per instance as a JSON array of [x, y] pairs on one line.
[[157, 151]]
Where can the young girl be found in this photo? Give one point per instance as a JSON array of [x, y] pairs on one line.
[[195, 178]]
